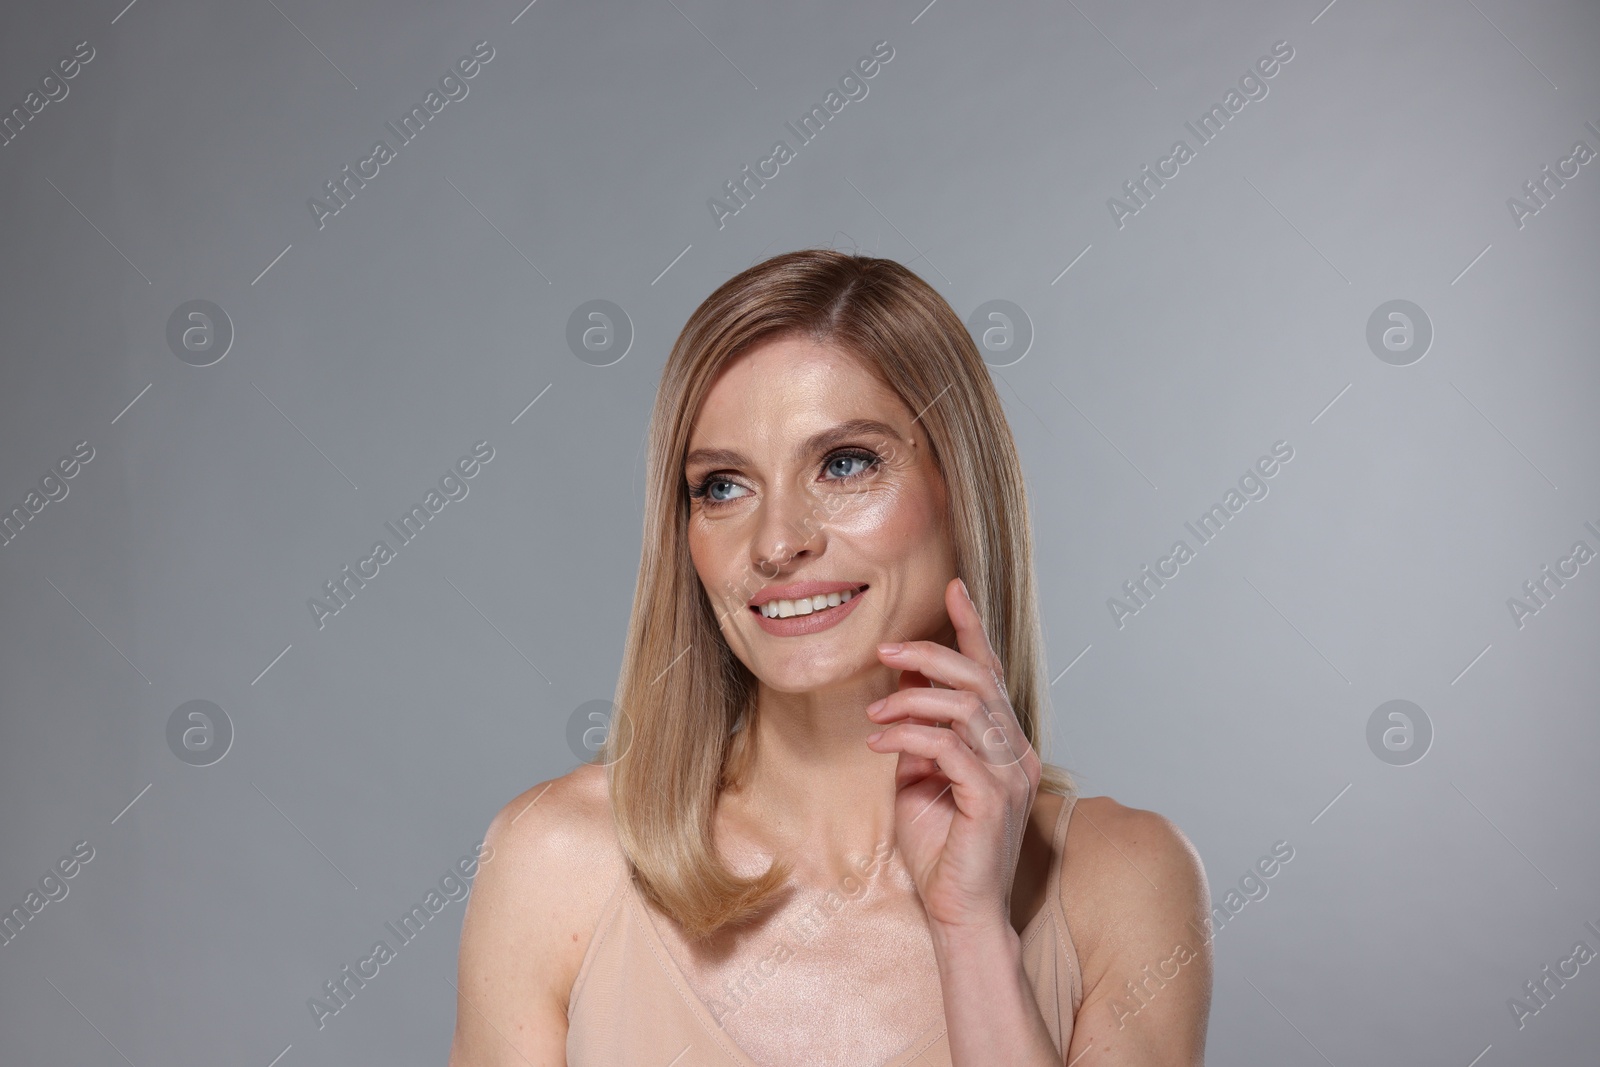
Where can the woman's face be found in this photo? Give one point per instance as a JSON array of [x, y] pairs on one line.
[[804, 468]]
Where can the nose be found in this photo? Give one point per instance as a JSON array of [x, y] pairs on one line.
[[788, 528]]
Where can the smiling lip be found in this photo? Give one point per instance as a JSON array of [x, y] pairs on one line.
[[796, 590], [798, 625]]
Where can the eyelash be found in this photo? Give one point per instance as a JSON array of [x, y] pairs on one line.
[[702, 491]]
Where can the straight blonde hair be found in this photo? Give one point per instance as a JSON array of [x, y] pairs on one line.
[[681, 731]]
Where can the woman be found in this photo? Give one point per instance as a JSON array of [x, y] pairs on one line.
[[820, 831]]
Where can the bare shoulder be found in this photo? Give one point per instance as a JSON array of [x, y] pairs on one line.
[[1127, 866], [549, 865], [1135, 894]]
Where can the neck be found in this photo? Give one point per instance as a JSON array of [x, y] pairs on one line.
[[815, 793]]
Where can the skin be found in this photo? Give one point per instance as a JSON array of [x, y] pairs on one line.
[[857, 744]]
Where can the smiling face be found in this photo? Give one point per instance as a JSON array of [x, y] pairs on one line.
[[803, 467]]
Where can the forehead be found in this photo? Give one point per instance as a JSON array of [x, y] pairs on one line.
[[790, 387]]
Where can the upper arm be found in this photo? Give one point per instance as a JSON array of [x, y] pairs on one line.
[[1143, 908], [527, 923]]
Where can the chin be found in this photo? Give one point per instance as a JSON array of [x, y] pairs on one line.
[[808, 677]]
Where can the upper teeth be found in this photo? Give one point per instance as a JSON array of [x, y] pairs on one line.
[[782, 609]]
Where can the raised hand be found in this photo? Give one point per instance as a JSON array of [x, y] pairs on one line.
[[963, 793]]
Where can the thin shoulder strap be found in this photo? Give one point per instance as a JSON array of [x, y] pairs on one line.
[[616, 902], [1065, 947], [1058, 845]]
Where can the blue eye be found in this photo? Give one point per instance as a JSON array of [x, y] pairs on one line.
[[706, 492], [710, 492], [867, 460]]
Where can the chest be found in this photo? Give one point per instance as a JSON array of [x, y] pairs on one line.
[[849, 977]]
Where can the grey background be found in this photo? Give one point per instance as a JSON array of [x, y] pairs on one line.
[[1229, 313]]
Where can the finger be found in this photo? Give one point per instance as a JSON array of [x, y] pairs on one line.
[[971, 637], [959, 672], [911, 770], [941, 665], [946, 666], [995, 735], [978, 794]]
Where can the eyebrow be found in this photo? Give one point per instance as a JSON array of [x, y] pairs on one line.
[[817, 442]]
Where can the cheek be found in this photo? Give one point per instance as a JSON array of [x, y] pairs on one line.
[[719, 558], [889, 524], [703, 555]]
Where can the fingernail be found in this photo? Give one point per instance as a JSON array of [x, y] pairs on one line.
[[873, 737], [965, 590], [873, 707], [890, 649]]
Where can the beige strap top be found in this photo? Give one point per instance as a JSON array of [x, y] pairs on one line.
[[843, 976]]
